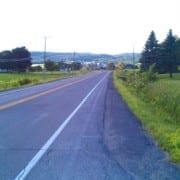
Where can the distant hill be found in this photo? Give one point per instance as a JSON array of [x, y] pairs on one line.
[[128, 57], [37, 57]]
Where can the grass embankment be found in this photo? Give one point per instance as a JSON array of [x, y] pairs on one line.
[[15, 80], [157, 105]]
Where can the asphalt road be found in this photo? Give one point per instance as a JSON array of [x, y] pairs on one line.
[[77, 128]]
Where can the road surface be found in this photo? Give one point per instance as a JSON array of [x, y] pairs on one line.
[[77, 128]]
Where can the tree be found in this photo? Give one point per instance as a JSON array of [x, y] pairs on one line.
[[51, 65], [63, 65], [150, 52], [21, 52], [76, 66], [111, 66], [4, 55], [169, 54], [177, 50], [19, 59], [22, 57]]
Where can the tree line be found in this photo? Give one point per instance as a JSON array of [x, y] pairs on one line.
[[18, 59], [165, 55], [56, 66]]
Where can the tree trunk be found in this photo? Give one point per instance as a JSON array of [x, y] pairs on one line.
[[170, 75]]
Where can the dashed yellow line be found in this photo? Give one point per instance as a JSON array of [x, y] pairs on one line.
[[26, 99]]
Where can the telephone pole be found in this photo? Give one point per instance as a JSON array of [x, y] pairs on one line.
[[133, 58], [44, 58]]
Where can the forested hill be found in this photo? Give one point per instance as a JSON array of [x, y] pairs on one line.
[[83, 57]]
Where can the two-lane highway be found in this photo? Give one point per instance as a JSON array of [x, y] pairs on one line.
[[35, 91], [55, 131], [77, 128]]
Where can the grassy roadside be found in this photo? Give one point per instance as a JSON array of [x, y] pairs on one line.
[[16, 80], [157, 106]]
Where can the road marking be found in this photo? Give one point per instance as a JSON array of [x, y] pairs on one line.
[[46, 146], [9, 92], [16, 102]]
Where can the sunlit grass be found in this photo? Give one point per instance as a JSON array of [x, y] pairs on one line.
[[158, 107], [15, 80], [165, 94]]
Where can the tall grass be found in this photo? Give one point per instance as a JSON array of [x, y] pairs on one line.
[[14, 80], [165, 95], [156, 104]]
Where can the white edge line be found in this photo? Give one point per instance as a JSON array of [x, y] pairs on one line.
[[49, 142]]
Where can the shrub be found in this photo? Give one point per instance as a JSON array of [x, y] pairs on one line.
[[13, 83], [150, 74], [137, 81], [157, 105], [24, 81]]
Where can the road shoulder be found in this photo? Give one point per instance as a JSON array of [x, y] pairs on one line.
[[130, 144]]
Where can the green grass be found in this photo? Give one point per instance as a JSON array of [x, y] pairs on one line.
[[157, 105], [165, 95], [15, 80], [166, 77]]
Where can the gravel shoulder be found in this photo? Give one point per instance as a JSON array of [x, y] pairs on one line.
[[130, 145]]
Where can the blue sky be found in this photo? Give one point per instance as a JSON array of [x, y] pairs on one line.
[[98, 26]]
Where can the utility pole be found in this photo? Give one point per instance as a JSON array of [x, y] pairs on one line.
[[133, 58], [44, 58], [74, 56]]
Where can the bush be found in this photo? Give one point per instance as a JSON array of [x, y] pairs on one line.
[[24, 81], [137, 81], [13, 83], [34, 80], [150, 75], [157, 104]]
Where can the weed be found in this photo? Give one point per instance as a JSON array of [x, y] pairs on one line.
[[155, 100], [13, 80], [24, 81]]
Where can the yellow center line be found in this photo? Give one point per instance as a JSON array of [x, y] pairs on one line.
[[26, 99]]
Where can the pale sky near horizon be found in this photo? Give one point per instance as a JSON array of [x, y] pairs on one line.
[[97, 26]]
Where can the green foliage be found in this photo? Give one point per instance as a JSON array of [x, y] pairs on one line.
[[64, 66], [6, 54], [137, 80], [166, 96], [150, 75], [157, 104], [150, 53], [169, 54], [14, 80], [76, 66], [165, 55], [24, 81], [20, 52], [177, 51], [51, 65], [19, 59], [111, 66]]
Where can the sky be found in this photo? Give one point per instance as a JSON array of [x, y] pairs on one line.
[[96, 26]]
